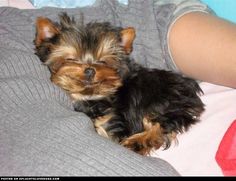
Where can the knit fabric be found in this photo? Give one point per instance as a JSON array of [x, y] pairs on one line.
[[40, 134]]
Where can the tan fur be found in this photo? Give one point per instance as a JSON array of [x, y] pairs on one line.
[[71, 78], [88, 62], [45, 29], [151, 139], [99, 123], [68, 51], [147, 124], [65, 51], [128, 36], [145, 141], [106, 51]]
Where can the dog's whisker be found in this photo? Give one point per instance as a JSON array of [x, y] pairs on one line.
[[140, 108]]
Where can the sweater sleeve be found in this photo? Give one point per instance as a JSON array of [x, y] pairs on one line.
[[40, 134]]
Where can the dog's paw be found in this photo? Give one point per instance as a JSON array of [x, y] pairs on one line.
[[150, 140], [144, 142]]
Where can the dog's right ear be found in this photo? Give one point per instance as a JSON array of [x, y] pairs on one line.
[[45, 29], [127, 39]]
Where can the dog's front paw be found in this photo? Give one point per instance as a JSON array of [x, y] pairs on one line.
[[143, 143], [136, 146], [152, 139]]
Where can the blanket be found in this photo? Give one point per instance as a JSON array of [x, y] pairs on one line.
[[40, 134]]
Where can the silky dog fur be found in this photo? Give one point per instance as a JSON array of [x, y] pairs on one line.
[[140, 108]]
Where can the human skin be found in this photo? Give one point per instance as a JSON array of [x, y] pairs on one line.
[[203, 47]]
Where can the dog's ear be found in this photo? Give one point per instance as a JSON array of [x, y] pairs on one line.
[[127, 38], [45, 29]]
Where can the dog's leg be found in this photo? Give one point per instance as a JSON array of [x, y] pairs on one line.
[[93, 108], [151, 139]]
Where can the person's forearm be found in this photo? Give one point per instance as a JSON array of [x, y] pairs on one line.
[[204, 47]]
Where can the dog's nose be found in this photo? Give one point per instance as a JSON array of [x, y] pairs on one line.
[[89, 73]]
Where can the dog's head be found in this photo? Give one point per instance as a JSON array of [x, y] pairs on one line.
[[88, 61]]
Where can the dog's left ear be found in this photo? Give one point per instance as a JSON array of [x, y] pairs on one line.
[[127, 38]]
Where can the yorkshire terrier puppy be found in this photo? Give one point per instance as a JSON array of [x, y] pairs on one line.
[[140, 108]]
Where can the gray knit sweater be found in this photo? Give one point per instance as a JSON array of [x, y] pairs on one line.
[[40, 134]]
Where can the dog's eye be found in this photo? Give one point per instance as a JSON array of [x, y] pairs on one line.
[[71, 59], [102, 62]]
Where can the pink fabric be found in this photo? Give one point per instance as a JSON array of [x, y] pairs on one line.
[[21, 4], [226, 153]]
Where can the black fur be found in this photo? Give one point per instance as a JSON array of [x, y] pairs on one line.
[[166, 98], [93, 108], [170, 98]]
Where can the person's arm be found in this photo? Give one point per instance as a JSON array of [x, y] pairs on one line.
[[204, 47]]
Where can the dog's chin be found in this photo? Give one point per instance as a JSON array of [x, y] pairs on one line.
[[95, 90], [90, 84]]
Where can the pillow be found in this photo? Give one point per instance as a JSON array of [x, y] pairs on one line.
[[61, 3], [66, 3], [224, 9]]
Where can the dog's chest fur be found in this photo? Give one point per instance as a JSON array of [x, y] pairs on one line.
[[140, 108]]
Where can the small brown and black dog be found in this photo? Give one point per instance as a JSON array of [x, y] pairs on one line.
[[142, 109]]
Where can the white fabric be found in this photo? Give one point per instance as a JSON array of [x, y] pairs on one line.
[[21, 4], [195, 152]]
